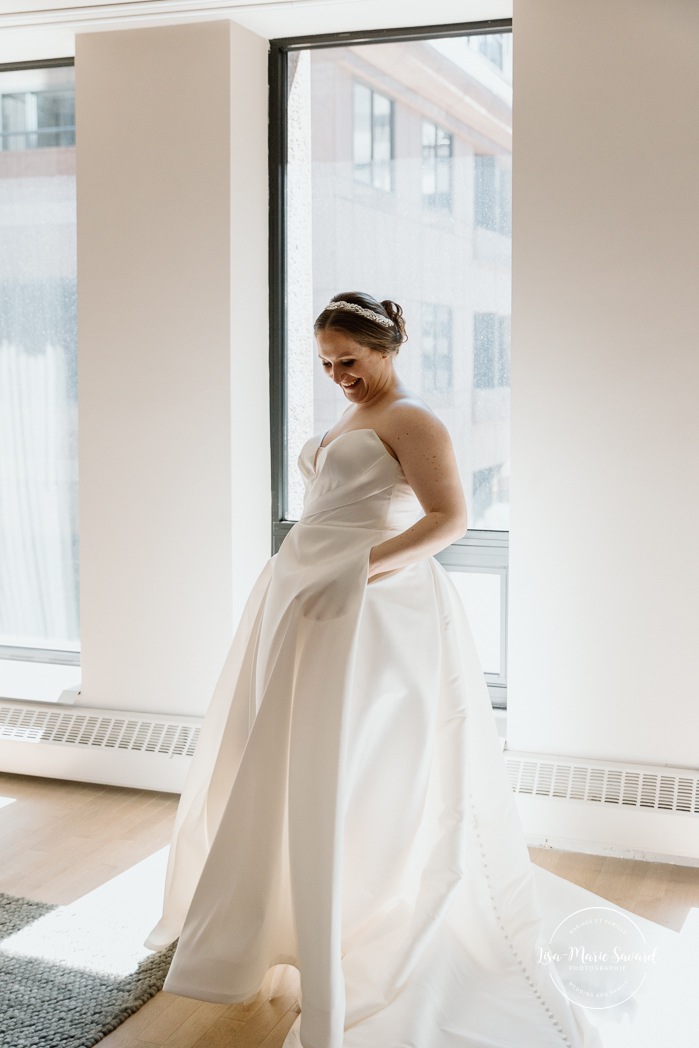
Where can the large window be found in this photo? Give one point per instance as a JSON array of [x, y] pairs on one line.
[[415, 116], [39, 611]]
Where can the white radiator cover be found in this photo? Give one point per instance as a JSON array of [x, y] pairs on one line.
[[633, 811], [114, 747]]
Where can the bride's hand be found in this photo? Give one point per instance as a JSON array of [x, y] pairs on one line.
[[375, 575], [381, 575]]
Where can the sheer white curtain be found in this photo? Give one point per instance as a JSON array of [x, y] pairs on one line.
[[38, 365], [38, 566]]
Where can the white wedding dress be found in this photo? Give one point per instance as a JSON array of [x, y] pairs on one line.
[[347, 809]]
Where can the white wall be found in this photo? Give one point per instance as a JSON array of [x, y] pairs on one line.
[[605, 428], [172, 348]]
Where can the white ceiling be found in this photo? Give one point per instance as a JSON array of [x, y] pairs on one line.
[[46, 28]]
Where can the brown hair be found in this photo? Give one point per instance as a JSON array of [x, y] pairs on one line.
[[367, 332]]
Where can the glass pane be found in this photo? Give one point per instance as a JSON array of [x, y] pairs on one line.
[[480, 593], [38, 372], [416, 232]]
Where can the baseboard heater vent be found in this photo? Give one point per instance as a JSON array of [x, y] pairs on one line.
[[136, 733], [635, 786]]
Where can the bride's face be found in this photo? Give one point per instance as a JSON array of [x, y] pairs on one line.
[[360, 372]]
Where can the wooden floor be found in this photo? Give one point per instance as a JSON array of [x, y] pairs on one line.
[[60, 840]]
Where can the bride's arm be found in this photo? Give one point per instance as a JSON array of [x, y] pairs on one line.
[[424, 449]]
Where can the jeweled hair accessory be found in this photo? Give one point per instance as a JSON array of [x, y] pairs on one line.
[[368, 313]]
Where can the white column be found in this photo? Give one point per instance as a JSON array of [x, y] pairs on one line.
[[172, 345], [605, 378]]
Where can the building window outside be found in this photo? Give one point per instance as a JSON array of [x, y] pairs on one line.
[[491, 351], [437, 363], [372, 137], [492, 46], [493, 193], [39, 119], [39, 541], [436, 167]]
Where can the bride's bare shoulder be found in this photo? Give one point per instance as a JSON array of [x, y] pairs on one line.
[[409, 419]]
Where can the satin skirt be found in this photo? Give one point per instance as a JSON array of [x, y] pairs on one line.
[[349, 813]]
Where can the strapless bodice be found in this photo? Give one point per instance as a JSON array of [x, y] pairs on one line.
[[354, 481]]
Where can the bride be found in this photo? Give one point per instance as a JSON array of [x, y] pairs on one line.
[[347, 810]]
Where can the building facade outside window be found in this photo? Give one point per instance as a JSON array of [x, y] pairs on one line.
[[39, 542], [373, 137], [436, 167]]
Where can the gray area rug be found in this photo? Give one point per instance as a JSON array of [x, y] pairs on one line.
[[50, 1004]]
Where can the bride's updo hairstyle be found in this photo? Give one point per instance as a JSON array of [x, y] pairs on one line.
[[377, 325]]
